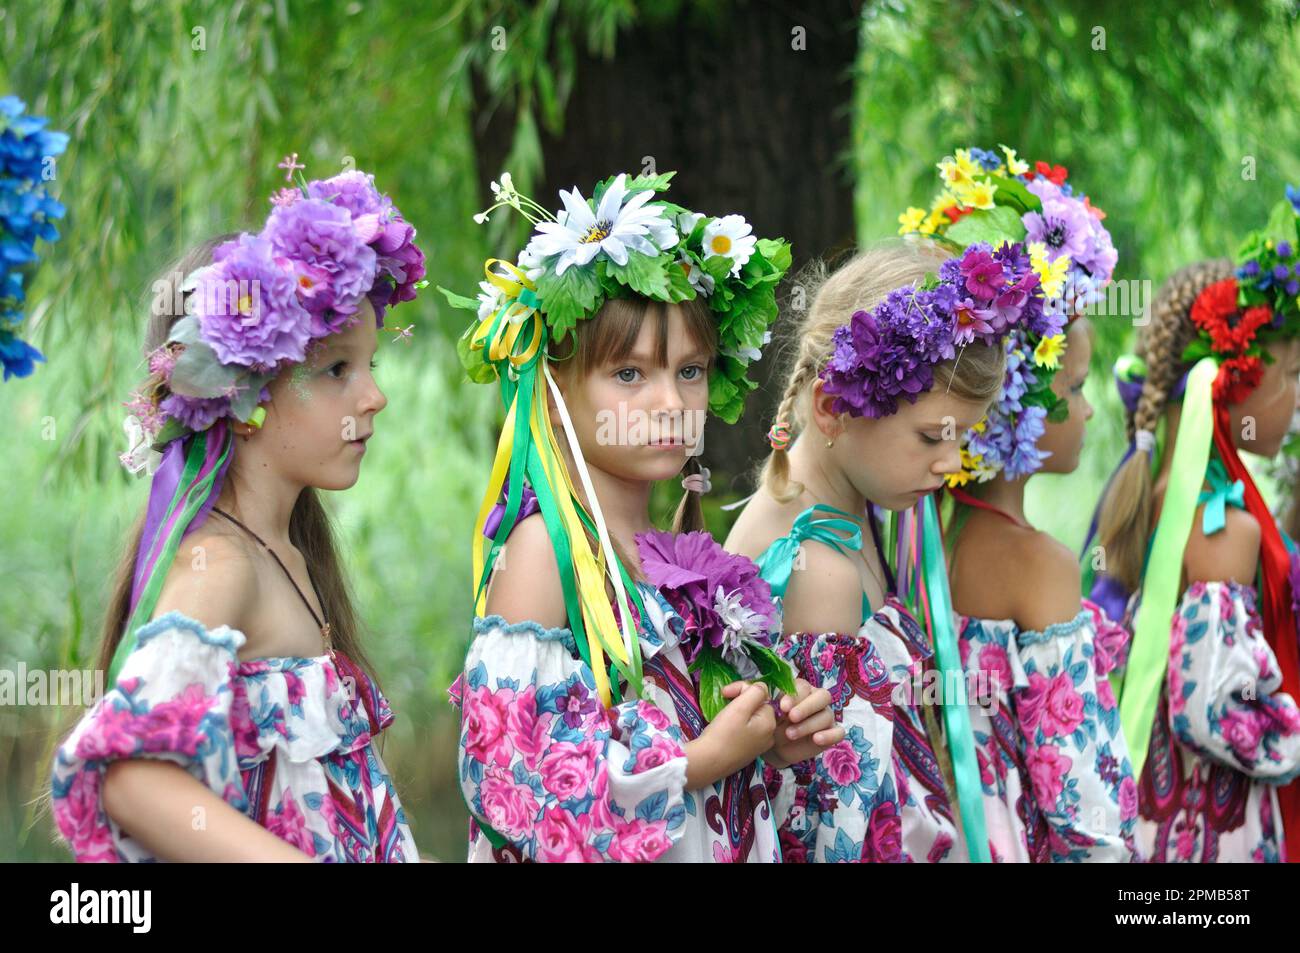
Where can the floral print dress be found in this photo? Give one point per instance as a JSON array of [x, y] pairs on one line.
[[555, 776], [1054, 768], [879, 795], [1224, 738], [287, 741]]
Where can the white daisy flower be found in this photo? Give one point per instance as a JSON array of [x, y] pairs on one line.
[[619, 225], [730, 237], [489, 299], [700, 279], [742, 625], [749, 353]]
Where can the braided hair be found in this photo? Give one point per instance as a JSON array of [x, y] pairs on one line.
[[1127, 509]]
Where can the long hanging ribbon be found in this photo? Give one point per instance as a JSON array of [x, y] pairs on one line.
[[514, 338], [956, 710], [1275, 595], [1149, 656], [206, 460]]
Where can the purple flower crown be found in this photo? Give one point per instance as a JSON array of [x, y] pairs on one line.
[[890, 352], [265, 297]]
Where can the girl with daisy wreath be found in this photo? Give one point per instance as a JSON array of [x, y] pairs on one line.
[[1209, 688], [616, 701], [1054, 769]]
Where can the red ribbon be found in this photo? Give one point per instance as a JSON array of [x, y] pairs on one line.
[[1275, 595]]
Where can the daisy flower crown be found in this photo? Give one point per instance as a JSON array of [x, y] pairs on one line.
[[996, 197], [1238, 316], [624, 241], [265, 298], [890, 352]]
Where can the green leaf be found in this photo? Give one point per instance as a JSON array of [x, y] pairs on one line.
[[719, 266], [679, 284], [1197, 349], [198, 371], [1282, 224], [1058, 411], [726, 397], [715, 675], [476, 367], [776, 251], [646, 275], [171, 430], [568, 298], [994, 225], [657, 183], [1013, 192], [775, 671], [459, 301]]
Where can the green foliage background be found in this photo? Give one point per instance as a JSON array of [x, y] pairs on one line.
[[179, 111]]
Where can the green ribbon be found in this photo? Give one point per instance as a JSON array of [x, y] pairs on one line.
[[956, 710], [1149, 656], [777, 561], [1219, 497]]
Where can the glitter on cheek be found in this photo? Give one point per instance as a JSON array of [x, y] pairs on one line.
[[298, 382]]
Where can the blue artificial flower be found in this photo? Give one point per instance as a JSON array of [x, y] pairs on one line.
[[1293, 196], [27, 214], [17, 356]]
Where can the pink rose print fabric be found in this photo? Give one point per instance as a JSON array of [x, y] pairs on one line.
[[550, 775], [286, 741], [1225, 737], [1058, 784]]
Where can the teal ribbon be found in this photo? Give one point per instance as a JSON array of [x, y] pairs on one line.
[[777, 561], [956, 711], [1219, 497]]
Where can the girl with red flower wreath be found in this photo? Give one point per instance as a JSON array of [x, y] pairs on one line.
[[1209, 687]]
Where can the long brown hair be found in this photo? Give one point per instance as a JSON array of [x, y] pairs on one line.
[[310, 527], [860, 283], [1124, 520], [609, 336]]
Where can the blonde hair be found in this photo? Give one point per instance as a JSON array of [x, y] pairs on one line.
[[859, 284], [1124, 520]]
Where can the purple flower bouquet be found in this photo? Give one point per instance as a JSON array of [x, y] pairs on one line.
[[728, 610]]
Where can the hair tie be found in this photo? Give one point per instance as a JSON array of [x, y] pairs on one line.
[[697, 482], [1145, 441], [778, 435]]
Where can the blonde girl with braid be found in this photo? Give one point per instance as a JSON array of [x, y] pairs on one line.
[[884, 377], [1209, 685]]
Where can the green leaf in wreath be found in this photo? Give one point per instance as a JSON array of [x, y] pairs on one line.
[[993, 225]]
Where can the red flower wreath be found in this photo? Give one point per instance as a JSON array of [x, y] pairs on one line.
[[1237, 377], [1213, 309]]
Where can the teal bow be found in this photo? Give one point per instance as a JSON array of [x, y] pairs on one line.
[[776, 562], [1217, 499]]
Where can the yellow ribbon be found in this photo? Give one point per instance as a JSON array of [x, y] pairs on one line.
[[500, 332]]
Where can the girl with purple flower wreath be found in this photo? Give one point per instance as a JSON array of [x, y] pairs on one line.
[[242, 714], [891, 363], [1054, 770], [615, 701]]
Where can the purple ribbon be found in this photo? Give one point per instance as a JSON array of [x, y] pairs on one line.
[[162, 491], [527, 507]]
